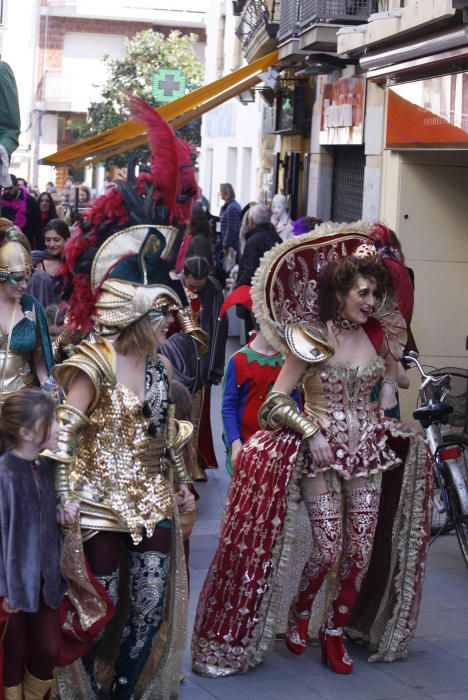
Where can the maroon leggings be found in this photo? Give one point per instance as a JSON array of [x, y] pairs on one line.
[[104, 549], [33, 638]]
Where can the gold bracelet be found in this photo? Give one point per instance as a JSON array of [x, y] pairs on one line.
[[71, 422], [281, 411], [177, 435]]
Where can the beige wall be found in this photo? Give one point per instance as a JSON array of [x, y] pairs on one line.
[[424, 198]]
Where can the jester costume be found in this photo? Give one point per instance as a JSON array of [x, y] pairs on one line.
[[279, 566], [247, 381], [122, 456]]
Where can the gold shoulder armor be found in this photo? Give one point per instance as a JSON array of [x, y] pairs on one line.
[[95, 357], [308, 341]]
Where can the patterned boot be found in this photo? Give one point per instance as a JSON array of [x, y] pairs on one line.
[[362, 509], [325, 514], [149, 574]]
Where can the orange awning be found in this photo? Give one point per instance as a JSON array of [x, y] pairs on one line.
[[409, 125], [178, 112]]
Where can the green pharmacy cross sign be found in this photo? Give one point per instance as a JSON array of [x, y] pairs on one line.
[[168, 84]]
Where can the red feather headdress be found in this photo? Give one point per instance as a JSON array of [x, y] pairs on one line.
[[163, 196]]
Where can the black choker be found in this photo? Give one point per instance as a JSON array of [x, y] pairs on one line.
[[345, 324]]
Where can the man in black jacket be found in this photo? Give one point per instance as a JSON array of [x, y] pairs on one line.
[[260, 237]]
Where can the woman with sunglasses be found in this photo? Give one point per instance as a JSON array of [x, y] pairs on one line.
[[25, 351]]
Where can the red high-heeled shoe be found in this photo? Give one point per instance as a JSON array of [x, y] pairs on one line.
[[296, 637], [334, 653]]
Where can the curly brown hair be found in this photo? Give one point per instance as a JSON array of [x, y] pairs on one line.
[[339, 277]]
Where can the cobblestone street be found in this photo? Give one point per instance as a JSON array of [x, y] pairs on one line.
[[436, 668]]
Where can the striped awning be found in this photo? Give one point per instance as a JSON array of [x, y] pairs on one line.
[[178, 112]]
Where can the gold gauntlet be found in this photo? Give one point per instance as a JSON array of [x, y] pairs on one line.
[[188, 325], [178, 434], [281, 411], [71, 421]]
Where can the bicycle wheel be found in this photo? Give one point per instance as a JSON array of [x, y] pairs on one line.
[[459, 520]]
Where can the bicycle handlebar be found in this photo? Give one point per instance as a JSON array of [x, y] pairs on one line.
[[444, 379]]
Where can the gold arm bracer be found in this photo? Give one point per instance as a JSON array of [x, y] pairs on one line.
[[281, 411], [188, 325], [176, 438], [71, 422]]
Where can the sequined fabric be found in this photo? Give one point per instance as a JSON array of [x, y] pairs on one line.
[[119, 458], [362, 508], [338, 398], [326, 520], [242, 600]]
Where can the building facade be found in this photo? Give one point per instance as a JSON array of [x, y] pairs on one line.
[[414, 56], [231, 148], [384, 136], [59, 63]]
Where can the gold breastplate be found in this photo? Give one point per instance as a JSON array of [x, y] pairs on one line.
[[119, 467], [15, 371]]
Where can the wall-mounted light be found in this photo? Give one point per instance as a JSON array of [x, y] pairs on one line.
[[246, 97]]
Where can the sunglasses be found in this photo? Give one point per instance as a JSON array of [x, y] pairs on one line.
[[158, 314]]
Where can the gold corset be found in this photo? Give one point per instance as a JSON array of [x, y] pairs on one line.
[[336, 394], [15, 371], [118, 472]]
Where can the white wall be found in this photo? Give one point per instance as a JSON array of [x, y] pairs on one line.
[[231, 133], [19, 43], [424, 200]]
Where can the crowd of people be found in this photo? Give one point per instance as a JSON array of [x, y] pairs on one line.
[[112, 336]]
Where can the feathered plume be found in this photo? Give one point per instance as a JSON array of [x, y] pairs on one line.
[[165, 155], [161, 197], [188, 189]]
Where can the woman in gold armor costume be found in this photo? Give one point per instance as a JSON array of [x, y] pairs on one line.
[[25, 351], [363, 481], [120, 444]]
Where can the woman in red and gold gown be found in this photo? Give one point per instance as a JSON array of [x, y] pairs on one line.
[[363, 481]]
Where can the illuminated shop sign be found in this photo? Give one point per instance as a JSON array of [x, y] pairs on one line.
[[342, 122], [431, 113]]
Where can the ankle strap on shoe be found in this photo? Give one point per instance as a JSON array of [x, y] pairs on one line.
[[333, 632]]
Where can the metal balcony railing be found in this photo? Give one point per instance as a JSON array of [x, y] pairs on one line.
[[258, 15], [336, 11], [289, 19]]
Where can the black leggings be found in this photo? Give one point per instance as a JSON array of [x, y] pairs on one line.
[[33, 638]]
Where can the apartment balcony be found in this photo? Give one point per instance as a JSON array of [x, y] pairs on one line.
[[68, 92], [173, 13], [258, 27], [396, 22], [312, 25]]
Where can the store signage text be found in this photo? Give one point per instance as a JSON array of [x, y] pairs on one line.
[[342, 120]]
